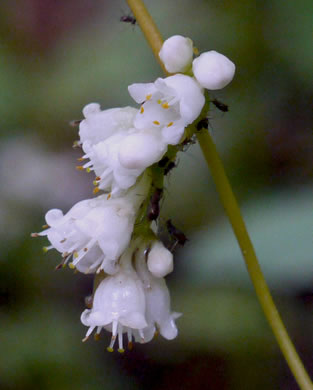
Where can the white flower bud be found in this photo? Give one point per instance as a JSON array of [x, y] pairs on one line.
[[213, 70], [176, 53], [140, 150], [160, 260]]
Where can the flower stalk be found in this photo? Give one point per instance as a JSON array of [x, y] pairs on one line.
[[231, 207]]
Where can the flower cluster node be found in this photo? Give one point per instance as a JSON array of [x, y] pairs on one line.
[[113, 235]]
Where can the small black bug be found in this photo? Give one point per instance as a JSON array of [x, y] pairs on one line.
[[177, 234], [128, 19], [163, 162], [154, 205], [203, 124], [169, 167], [221, 106]]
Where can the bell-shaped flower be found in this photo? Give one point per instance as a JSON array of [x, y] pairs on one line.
[[213, 70], [118, 305], [99, 125], [168, 105], [160, 260], [95, 232], [176, 54], [158, 311], [120, 159]]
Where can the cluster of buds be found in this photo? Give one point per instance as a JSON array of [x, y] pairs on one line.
[[114, 235]]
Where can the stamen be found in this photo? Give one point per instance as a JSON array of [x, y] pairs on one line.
[[148, 97], [129, 335], [79, 168], [34, 235], [88, 170], [89, 331], [109, 196], [95, 183], [46, 248], [85, 249], [196, 51], [62, 241], [142, 110], [120, 339], [98, 178], [80, 159], [71, 266], [156, 122], [159, 101], [170, 124], [165, 105], [96, 190], [96, 336], [75, 254], [45, 226], [110, 347]]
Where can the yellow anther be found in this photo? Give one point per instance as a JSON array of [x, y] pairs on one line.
[[142, 110], [96, 336], [45, 226], [109, 349], [159, 101], [121, 350], [75, 254], [156, 122], [196, 51], [130, 345], [79, 167], [148, 97], [165, 105], [71, 266], [95, 183], [98, 178], [109, 196], [44, 249], [80, 159], [88, 170], [170, 124], [96, 190]]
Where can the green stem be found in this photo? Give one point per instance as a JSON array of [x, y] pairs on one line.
[[231, 207]]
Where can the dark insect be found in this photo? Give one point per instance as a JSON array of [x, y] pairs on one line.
[[177, 234], [154, 205], [169, 167], [221, 106], [163, 162], [128, 19], [203, 124]]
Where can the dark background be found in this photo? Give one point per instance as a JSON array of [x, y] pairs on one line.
[[55, 57]]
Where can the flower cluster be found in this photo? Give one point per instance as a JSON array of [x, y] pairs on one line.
[[113, 235]]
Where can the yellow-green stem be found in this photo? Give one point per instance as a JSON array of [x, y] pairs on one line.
[[231, 207]]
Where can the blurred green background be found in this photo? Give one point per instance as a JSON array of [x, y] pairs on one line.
[[57, 56]]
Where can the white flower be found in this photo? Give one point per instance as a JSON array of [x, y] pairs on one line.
[[176, 53], [213, 70], [118, 305], [158, 312], [120, 160], [141, 149], [95, 232], [99, 125], [160, 260], [168, 105]]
